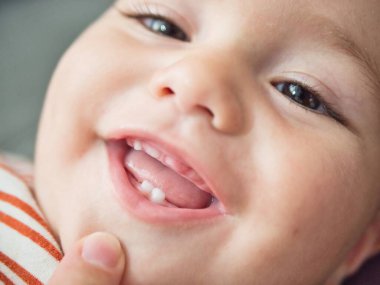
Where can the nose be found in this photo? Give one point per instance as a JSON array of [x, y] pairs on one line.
[[203, 86]]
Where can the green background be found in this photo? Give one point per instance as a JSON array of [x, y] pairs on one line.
[[33, 36]]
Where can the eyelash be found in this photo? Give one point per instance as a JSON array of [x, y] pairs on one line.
[[307, 94], [160, 25]]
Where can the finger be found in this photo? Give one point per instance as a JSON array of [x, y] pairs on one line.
[[97, 259]]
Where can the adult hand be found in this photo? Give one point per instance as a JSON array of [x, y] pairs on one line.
[[97, 259]]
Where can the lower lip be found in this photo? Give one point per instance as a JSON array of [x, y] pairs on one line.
[[138, 205]]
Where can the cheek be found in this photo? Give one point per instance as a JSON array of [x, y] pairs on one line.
[[310, 202], [91, 72], [315, 174], [306, 180]]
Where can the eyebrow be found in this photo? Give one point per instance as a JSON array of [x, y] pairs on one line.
[[338, 39]]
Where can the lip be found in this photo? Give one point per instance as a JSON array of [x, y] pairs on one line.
[[136, 203]]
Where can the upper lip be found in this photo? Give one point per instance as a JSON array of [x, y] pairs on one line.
[[170, 149]]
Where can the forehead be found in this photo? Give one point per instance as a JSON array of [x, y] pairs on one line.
[[350, 27], [359, 20]]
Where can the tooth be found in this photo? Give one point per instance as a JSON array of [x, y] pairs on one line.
[[193, 176], [146, 187], [202, 186], [175, 164], [157, 196], [137, 145], [129, 142], [152, 151]]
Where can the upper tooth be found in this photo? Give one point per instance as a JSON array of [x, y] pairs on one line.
[[157, 196], [202, 186], [137, 145], [146, 187], [175, 164], [192, 175], [152, 151]]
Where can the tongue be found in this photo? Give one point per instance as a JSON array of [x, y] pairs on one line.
[[178, 190]]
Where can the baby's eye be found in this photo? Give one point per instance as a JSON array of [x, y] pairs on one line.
[[302, 95], [309, 99], [162, 26]]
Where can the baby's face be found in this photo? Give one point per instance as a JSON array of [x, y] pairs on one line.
[[258, 120]]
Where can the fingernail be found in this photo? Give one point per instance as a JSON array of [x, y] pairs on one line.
[[101, 250]]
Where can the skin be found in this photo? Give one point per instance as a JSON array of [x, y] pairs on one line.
[[97, 259], [300, 187]]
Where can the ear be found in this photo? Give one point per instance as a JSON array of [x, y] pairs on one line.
[[367, 246]]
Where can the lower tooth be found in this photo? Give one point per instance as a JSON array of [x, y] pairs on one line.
[[157, 196], [146, 187]]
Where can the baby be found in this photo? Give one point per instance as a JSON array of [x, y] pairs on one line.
[[222, 142]]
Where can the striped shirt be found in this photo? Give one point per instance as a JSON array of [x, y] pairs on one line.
[[28, 251]]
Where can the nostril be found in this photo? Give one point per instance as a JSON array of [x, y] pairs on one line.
[[207, 110], [166, 91]]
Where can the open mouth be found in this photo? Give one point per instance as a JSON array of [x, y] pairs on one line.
[[165, 179], [155, 184]]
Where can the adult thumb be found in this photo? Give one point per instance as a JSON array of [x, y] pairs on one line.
[[97, 259]]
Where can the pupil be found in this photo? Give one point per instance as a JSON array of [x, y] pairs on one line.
[[160, 26], [163, 27], [296, 92], [299, 94]]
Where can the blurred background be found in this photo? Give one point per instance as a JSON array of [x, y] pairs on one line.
[[33, 36]]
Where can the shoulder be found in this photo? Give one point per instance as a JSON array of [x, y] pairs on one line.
[[18, 167], [16, 190], [28, 251], [16, 182]]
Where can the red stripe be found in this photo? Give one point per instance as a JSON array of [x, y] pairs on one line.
[[13, 200], [19, 270], [5, 279], [31, 234]]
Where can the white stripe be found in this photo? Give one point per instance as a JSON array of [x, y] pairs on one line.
[[19, 163], [23, 217], [27, 254], [10, 274], [12, 185], [11, 182]]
